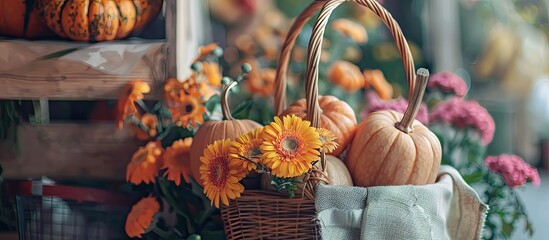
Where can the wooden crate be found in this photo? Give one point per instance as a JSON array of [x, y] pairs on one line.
[[91, 150]]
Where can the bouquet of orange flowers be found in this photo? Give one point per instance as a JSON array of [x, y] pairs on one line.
[[186, 138]]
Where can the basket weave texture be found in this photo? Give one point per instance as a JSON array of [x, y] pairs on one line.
[[269, 215]]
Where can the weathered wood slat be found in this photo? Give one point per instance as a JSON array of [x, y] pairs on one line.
[[69, 151], [54, 79]]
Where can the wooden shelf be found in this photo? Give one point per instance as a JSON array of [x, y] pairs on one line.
[[69, 151], [55, 79]]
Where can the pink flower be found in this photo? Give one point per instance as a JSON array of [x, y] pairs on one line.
[[448, 82], [463, 114], [399, 105], [513, 169]]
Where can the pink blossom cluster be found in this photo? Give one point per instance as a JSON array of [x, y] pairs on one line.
[[462, 114], [448, 82], [513, 169], [399, 105]]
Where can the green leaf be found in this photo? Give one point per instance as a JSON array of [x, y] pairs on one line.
[[473, 177], [242, 111], [507, 229], [213, 102], [58, 54]]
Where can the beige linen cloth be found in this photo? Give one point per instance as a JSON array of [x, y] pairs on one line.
[[448, 209]]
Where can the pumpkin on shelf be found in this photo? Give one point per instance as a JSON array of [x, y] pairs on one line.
[[20, 19], [95, 21], [394, 149], [212, 130], [336, 116]]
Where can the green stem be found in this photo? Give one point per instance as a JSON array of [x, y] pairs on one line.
[[174, 204], [161, 233], [143, 105]]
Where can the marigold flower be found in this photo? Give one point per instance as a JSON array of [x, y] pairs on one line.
[[261, 82], [141, 216], [221, 173], [144, 164], [448, 82], [350, 29], [177, 160], [376, 79], [148, 120], [290, 146], [462, 114], [399, 105], [513, 169], [248, 146], [131, 93]]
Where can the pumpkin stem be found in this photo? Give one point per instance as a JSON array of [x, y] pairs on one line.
[[410, 114], [225, 100]]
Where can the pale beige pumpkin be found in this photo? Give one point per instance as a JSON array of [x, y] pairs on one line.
[[337, 116], [337, 172], [214, 130], [390, 148]]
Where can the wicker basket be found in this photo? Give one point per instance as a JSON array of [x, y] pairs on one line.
[[269, 215]]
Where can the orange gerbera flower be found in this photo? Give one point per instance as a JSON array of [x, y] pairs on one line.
[[346, 75], [248, 146], [376, 79], [350, 29], [212, 73], [141, 216], [221, 173], [261, 82], [177, 160], [144, 164], [188, 109], [149, 121], [205, 50], [173, 89], [131, 93], [327, 138], [290, 146]]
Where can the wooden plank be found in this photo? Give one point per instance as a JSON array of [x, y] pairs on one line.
[[54, 79], [69, 151]]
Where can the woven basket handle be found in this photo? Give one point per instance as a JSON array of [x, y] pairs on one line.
[[315, 50]]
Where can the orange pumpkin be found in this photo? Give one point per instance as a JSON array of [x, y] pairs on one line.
[[213, 130], [394, 149], [97, 20], [337, 116], [346, 75], [20, 18]]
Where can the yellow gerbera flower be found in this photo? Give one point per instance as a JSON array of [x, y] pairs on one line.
[[248, 145], [327, 138], [141, 216], [177, 160], [144, 164], [290, 146], [221, 173]]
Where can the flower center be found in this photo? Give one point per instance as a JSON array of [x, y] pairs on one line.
[[290, 146], [189, 108], [219, 170], [254, 152]]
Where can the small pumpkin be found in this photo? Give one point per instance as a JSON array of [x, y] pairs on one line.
[[337, 172], [346, 75], [20, 18], [97, 20], [213, 130], [337, 116], [394, 149]]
